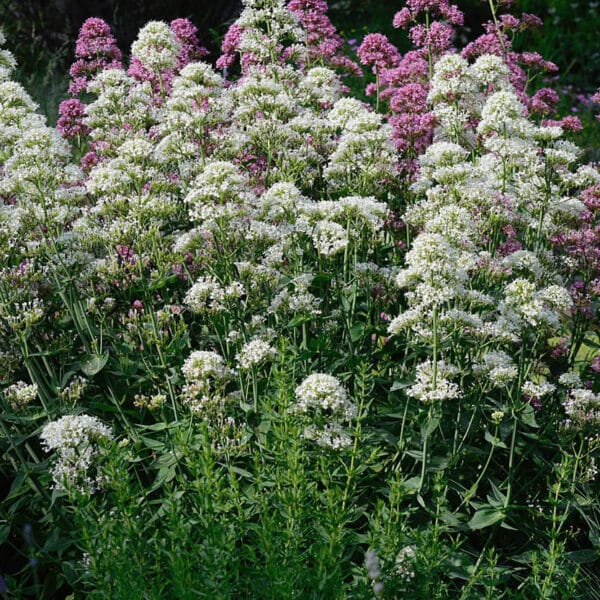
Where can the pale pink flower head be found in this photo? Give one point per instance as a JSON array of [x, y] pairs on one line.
[[96, 40], [377, 51], [323, 41]]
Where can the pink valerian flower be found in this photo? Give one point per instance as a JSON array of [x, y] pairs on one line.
[[596, 98], [190, 50], [324, 42], [377, 51], [437, 38], [186, 34], [96, 49], [229, 46], [595, 365], [580, 244], [404, 81], [437, 8], [544, 101], [569, 123], [70, 122]]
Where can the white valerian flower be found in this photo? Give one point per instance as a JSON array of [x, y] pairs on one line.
[[202, 364], [324, 393], [433, 385], [76, 439], [491, 71], [156, 46], [331, 435], [254, 353], [583, 408], [537, 390], [329, 238], [209, 295], [498, 367], [20, 394], [405, 562], [570, 379]]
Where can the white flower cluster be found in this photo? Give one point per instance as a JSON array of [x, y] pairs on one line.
[[331, 435], [202, 364], [405, 559], [486, 171], [7, 60], [433, 384], [254, 353], [498, 367], [324, 393], [204, 394], [156, 46], [208, 295], [324, 399], [20, 394], [582, 407], [537, 390], [76, 440]]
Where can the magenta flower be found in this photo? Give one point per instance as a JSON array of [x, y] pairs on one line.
[[186, 34], [96, 49], [377, 51], [324, 43], [70, 123]]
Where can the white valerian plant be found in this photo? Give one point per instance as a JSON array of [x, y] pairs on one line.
[[77, 441], [483, 176]]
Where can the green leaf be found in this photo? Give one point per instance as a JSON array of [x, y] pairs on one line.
[[401, 385], [4, 533], [494, 441], [485, 517], [429, 426], [581, 557], [242, 472], [528, 416], [92, 364]]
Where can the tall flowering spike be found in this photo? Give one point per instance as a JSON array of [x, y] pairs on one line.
[[498, 40], [186, 33], [154, 56], [324, 42], [70, 123], [403, 81], [96, 49]]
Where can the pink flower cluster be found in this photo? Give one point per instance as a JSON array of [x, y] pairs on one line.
[[497, 40], [96, 49], [324, 42], [229, 46], [70, 122], [403, 81], [377, 51], [581, 244]]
